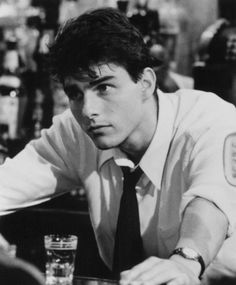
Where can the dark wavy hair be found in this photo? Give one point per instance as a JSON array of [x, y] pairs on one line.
[[103, 36]]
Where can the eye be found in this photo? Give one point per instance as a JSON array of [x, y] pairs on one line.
[[77, 97], [74, 94], [103, 88]]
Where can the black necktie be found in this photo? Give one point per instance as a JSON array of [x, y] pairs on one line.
[[128, 250]]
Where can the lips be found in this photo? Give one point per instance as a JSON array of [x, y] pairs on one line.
[[97, 128]]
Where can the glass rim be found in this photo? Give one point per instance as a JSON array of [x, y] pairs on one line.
[[61, 236], [60, 241]]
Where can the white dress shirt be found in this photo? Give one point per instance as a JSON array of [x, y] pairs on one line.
[[189, 156]]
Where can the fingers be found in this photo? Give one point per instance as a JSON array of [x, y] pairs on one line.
[[141, 270], [154, 271]]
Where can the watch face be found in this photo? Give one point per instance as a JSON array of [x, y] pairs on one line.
[[190, 253]]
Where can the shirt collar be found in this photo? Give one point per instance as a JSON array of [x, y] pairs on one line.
[[153, 161], [119, 157]]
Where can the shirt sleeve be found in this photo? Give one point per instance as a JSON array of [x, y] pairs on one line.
[[39, 172], [208, 169]]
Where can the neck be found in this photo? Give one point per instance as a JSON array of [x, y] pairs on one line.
[[138, 142]]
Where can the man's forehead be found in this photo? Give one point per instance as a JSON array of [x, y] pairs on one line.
[[96, 71]]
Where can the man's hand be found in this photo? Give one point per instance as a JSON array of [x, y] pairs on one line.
[[154, 271]]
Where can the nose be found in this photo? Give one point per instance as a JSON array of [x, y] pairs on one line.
[[90, 104]]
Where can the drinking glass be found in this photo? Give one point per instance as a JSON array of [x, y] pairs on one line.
[[60, 255]]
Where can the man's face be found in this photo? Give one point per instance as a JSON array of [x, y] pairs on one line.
[[108, 107]]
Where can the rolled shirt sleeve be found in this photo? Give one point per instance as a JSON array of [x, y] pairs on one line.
[[42, 170], [209, 169]]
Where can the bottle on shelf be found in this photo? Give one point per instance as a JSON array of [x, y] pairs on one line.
[[4, 151], [37, 115], [13, 98]]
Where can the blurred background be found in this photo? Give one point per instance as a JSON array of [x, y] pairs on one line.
[[195, 41]]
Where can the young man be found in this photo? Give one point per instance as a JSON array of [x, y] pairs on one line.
[[184, 144]]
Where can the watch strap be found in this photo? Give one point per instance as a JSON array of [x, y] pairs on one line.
[[197, 257]]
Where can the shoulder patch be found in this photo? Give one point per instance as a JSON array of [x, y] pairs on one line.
[[229, 156]]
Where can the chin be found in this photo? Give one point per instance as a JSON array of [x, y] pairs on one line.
[[105, 144], [103, 147]]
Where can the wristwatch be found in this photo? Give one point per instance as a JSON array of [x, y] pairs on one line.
[[191, 254]]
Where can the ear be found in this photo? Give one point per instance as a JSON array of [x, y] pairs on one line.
[[148, 82]]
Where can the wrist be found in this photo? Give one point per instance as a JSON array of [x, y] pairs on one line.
[[189, 257], [191, 265]]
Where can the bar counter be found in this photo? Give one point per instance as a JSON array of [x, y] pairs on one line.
[[79, 280]]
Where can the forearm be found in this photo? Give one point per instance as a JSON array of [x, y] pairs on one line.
[[203, 228]]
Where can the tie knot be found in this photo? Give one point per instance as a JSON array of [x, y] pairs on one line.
[[131, 177]]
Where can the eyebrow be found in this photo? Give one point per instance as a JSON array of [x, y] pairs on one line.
[[100, 80]]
